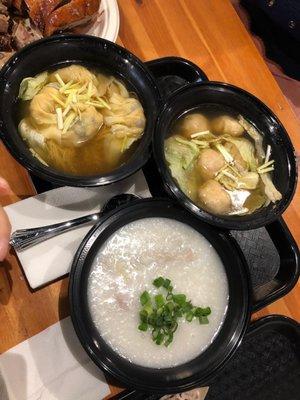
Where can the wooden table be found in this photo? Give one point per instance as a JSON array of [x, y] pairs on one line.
[[209, 33]]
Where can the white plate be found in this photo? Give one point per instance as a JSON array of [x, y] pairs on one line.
[[107, 23]]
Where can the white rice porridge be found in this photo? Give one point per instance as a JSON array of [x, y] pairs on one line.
[[127, 264]]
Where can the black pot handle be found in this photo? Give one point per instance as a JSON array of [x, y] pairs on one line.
[[172, 73]]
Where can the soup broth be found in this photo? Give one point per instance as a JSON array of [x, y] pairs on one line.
[[79, 120], [218, 160], [128, 263]]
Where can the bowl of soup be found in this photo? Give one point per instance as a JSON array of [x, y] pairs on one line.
[[158, 299], [225, 156], [78, 110]]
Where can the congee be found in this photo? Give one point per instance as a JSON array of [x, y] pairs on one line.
[[157, 292]]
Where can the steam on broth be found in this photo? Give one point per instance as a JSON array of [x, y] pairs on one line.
[[219, 161], [80, 121]]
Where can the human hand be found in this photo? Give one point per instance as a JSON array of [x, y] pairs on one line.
[[5, 227]]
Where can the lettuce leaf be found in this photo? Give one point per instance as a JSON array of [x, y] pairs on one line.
[[180, 155], [31, 86]]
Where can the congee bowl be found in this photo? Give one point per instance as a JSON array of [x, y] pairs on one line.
[[201, 368], [63, 50], [260, 116]]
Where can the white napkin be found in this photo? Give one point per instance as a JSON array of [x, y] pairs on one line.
[[52, 259], [51, 365]]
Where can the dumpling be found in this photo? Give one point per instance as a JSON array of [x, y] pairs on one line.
[[209, 163], [226, 125], [193, 123], [116, 87], [42, 106], [214, 197], [75, 73], [125, 115], [84, 128], [103, 83]]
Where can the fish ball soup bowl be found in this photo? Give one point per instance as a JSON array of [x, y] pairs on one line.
[[130, 364], [247, 116], [98, 55]]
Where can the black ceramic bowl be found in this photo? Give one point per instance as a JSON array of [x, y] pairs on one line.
[[242, 102], [90, 51], [59, 51], [195, 372]]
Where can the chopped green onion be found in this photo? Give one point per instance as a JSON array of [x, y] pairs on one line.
[[189, 316], [206, 311], [159, 300], [170, 306], [155, 333], [180, 299], [203, 320], [145, 297], [158, 282], [148, 308], [143, 316], [174, 327], [169, 340], [161, 313], [169, 296], [143, 327], [167, 283], [160, 338]]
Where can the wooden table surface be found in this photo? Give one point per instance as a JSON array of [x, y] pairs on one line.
[[209, 33]]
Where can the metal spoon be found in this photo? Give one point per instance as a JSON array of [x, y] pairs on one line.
[[24, 238]]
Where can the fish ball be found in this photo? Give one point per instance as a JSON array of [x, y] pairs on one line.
[[193, 123], [227, 125], [214, 197], [209, 163]]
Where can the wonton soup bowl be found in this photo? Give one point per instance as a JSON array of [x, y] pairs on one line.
[[193, 373], [252, 109], [63, 50]]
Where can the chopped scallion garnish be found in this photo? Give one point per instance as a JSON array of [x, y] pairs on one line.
[[145, 297], [162, 312], [158, 282]]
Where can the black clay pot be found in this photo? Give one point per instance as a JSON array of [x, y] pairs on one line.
[[196, 372], [63, 50], [242, 102]]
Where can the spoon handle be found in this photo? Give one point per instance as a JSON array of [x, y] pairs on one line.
[[24, 238]]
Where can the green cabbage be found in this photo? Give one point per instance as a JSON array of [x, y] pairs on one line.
[[255, 135], [31, 86], [270, 190], [180, 155]]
